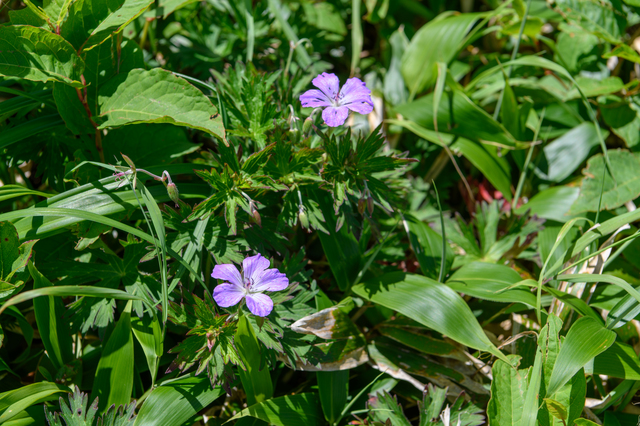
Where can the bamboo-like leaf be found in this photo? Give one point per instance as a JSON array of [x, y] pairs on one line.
[[299, 409], [585, 339], [113, 381], [256, 379], [176, 402], [430, 303], [333, 387], [15, 401]]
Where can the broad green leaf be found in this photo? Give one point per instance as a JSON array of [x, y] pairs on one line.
[[565, 154], [174, 403], [39, 55], [458, 115], [622, 116], [552, 203], [427, 246], [255, 376], [620, 361], [438, 41], [624, 186], [299, 409], [54, 330], [625, 52], [481, 156], [15, 401], [556, 409], [585, 339], [395, 91], [91, 22], [532, 395], [101, 64], [490, 281], [157, 96], [421, 342], [508, 390], [430, 303], [29, 128], [148, 332], [167, 7], [148, 144], [333, 387], [606, 20], [604, 229], [113, 381]]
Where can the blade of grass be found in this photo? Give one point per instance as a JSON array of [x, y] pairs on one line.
[[444, 237], [523, 174]]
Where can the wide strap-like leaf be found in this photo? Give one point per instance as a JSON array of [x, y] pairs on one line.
[[430, 303]]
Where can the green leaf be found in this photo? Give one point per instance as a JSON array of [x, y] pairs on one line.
[[427, 246], [148, 144], [625, 187], [174, 403], [622, 116], [15, 401], [490, 281], [333, 387], [585, 339], [385, 409], [552, 203], [620, 361], [481, 156], [157, 96], [508, 390], [113, 381], [565, 154], [54, 332], [91, 22], [438, 41], [29, 128], [458, 115], [148, 332], [625, 52], [38, 55], [299, 409], [556, 409], [430, 303], [256, 379]]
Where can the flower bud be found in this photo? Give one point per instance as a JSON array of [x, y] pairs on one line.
[[172, 190], [370, 205], [361, 205], [256, 215], [306, 126], [304, 219], [129, 162]]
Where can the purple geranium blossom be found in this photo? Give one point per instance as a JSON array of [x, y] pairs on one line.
[[353, 96], [255, 280]]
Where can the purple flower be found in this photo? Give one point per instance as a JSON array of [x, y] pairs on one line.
[[255, 280], [354, 96]]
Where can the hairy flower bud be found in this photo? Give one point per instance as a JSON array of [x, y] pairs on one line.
[[172, 190], [361, 205], [307, 125], [256, 215], [304, 219]]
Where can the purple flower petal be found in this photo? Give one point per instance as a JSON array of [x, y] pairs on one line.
[[227, 295], [356, 96], [315, 98], [253, 267], [328, 83], [259, 304], [271, 280], [335, 117], [227, 272]]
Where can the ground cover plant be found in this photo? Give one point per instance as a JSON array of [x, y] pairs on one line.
[[298, 212]]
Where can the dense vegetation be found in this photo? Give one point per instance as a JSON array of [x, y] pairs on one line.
[[440, 232]]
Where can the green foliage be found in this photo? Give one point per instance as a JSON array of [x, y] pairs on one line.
[[144, 143]]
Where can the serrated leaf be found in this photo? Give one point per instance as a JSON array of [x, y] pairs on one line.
[[157, 96], [38, 55]]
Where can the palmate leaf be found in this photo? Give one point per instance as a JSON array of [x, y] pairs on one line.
[[210, 342]]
